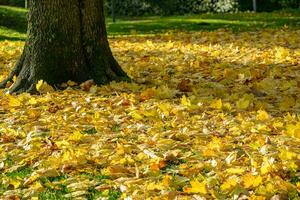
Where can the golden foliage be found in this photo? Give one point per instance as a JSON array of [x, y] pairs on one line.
[[209, 115]]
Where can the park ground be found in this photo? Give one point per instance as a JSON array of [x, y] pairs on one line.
[[212, 113]]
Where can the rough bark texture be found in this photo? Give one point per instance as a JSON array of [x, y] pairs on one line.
[[67, 40]]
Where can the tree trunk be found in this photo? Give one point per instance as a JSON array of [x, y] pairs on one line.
[[27, 4], [67, 41], [113, 14], [254, 5]]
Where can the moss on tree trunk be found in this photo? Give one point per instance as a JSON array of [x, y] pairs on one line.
[[67, 40]]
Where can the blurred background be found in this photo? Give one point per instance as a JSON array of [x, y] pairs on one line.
[[181, 7]]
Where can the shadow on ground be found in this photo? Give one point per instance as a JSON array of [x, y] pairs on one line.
[[234, 22]]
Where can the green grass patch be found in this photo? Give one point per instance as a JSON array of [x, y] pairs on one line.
[[10, 34], [13, 18], [50, 194], [235, 22], [94, 194], [21, 173], [13, 23], [96, 177]]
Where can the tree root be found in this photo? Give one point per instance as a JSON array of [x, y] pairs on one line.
[[24, 82], [120, 74], [102, 72], [14, 72], [23, 85], [106, 70]]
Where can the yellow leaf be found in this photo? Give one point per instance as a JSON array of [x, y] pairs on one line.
[[136, 116], [217, 104], [257, 181], [281, 53], [37, 186], [229, 183], [13, 101], [16, 183], [165, 108], [67, 156], [76, 136], [250, 180], [164, 92], [243, 103], [292, 166], [39, 85], [209, 153], [267, 85], [263, 127], [287, 155], [298, 185], [262, 115], [149, 113], [155, 186], [197, 187], [71, 83], [14, 78], [97, 115], [278, 124], [293, 130], [254, 197], [287, 102], [185, 101], [167, 180], [215, 143], [270, 188], [33, 177], [32, 101], [227, 106], [148, 94], [42, 87], [33, 114], [120, 150], [235, 170], [266, 166]]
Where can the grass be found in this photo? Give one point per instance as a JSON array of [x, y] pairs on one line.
[[21, 173], [235, 22], [13, 23], [18, 174], [61, 189]]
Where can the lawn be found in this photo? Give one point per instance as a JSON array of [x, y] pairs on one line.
[[13, 23], [213, 112]]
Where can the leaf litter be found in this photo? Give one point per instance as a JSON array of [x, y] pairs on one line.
[[209, 115]]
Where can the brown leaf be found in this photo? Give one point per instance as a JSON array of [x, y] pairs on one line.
[[184, 86], [86, 86]]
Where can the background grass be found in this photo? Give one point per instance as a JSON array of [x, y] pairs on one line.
[[13, 23], [13, 28]]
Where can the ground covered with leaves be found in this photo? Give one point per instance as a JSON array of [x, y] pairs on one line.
[[209, 115]]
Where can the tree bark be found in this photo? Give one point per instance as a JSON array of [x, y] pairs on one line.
[[67, 40], [254, 2], [113, 7], [27, 4]]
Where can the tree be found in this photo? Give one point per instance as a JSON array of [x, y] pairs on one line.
[[113, 14], [254, 5], [67, 40], [27, 5]]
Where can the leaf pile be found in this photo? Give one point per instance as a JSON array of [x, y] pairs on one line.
[[209, 115]]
